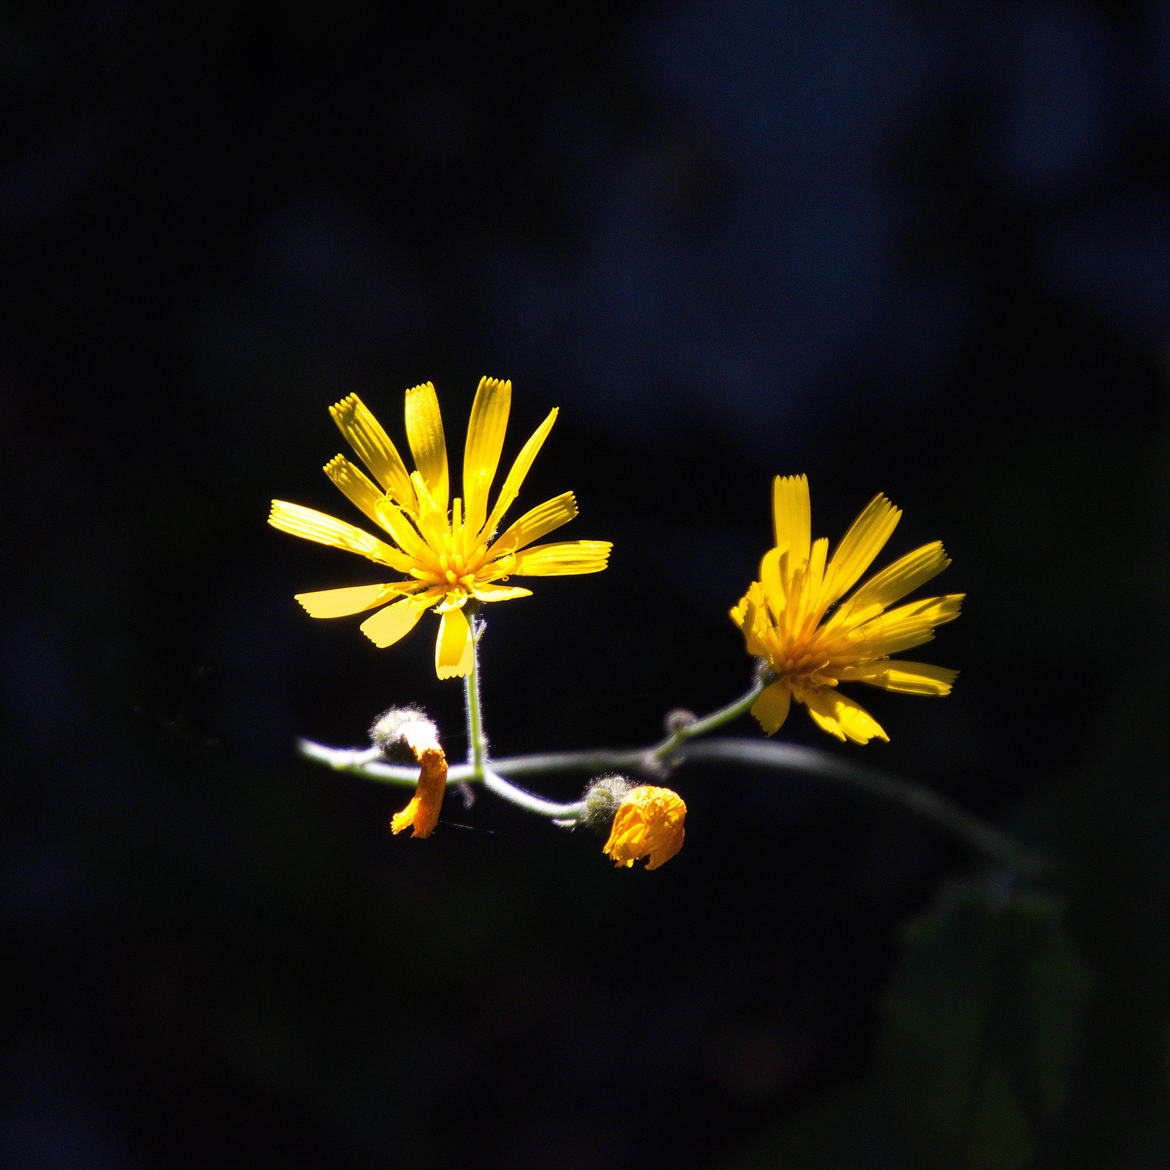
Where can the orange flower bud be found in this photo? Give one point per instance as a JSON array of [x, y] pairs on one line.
[[648, 823]]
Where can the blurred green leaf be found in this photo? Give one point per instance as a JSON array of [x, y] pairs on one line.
[[982, 1028]]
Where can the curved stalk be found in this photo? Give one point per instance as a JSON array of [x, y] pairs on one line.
[[528, 800], [662, 758]]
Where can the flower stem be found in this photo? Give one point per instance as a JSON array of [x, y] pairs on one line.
[[663, 751], [665, 756], [983, 837], [477, 750], [476, 740], [527, 800]]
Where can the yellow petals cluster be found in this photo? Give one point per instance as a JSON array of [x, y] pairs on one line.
[[448, 550], [648, 823], [799, 620]]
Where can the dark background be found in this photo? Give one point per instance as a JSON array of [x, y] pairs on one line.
[[922, 249]]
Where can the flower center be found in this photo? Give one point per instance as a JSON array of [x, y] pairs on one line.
[[448, 570], [453, 566], [802, 663]]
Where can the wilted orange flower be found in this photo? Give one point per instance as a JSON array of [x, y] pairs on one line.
[[447, 548], [421, 814], [788, 617], [648, 823]]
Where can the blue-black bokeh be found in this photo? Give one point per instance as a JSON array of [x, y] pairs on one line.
[[920, 249]]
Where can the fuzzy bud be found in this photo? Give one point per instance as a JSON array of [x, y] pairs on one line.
[[402, 732], [602, 798]]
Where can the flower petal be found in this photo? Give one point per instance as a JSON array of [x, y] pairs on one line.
[[537, 522], [331, 603], [500, 592], [520, 468], [432, 522], [355, 485], [365, 435], [394, 622], [742, 610], [893, 583], [485, 441], [403, 526], [771, 708], [310, 524], [904, 627], [454, 645], [424, 432], [650, 823], [866, 537], [752, 618], [792, 516], [774, 581], [908, 678], [814, 578], [841, 716], [562, 559], [421, 814]]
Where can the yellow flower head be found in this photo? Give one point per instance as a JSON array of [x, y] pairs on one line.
[[648, 823], [448, 549], [795, 620]]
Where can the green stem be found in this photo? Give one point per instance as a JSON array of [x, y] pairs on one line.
[[527, 800], [477, 750], [657, 760], [924, 802], [476, 741], [741, 706]]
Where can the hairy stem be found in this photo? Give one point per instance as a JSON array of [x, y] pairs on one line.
[[660, 759], [476, 740]]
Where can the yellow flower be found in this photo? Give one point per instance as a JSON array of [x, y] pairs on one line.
[[447, 549], [788, 617], [648, 823]]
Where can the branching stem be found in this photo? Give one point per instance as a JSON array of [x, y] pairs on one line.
[[660, 759]]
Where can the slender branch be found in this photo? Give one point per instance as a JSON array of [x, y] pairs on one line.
[[716, 719], [913, 797], [360, 761], [591, 760], [545, 808], [660, 759], [367, 762]]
